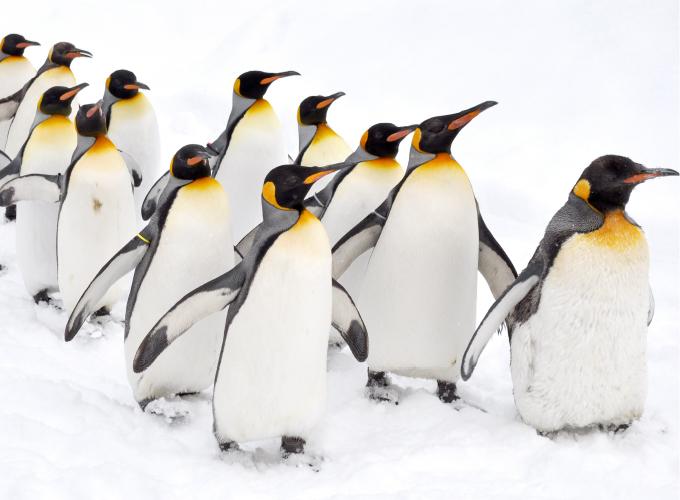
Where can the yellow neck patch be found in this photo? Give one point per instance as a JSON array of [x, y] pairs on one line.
[[582, 190], [384, 163], [269, 194], [203, 184], [616, 233], [306, 217]]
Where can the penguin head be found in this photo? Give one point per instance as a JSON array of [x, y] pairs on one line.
[[191, 162], [435, 135], [123, 84], [285, 187], [14, 45], [63, 53], [57, 100], [312, 111], [254, 84], [382, 140], [607, 182], [90, 120]]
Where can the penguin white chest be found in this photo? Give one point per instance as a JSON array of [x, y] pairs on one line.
[[272, 376], [15, 71], [96, 219], [419, 294], [195, 247], [326, 148], [581, 358]]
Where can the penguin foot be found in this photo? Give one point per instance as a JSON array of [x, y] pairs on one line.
[[378, 388], [41, 296], [615, 428], [292, 445], [11, 213], [103, 311], [229, 446], [171, 410], [446, 391]]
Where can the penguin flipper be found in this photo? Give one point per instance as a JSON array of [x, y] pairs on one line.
[[9, 105], [133, 167], [347, 321], [246, 243], [196, 305], [151, 200], [650, 313], [497, 313], [30, 188], [360, 238], [493, 263], [4, 160], [9, 170], [120, 264]]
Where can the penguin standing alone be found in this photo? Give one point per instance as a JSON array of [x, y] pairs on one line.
[[271, 377], [419, 294], [577, 316], [186, 243]]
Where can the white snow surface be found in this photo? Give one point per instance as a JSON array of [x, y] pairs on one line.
[[574, 80]]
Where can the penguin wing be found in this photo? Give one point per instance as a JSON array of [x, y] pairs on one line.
[[290, 160], [10, 104], [151, 200], [31, 187], [120, 264], [650, 313], [347, 321], [133, 167], [196, 305], [493, 262], [10, 169], [496, 315], [360, 238], [246, 243], [4, 160]]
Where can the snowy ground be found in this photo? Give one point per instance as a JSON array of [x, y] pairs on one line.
[[574, 80]]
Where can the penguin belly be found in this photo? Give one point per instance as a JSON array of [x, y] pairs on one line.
[[419, 295], [48, 152], [326, 148], [271, 380], [96, 219], [581, 358], [194, 248], [23, 120], [133, 128], [14, 73], [257, 145]]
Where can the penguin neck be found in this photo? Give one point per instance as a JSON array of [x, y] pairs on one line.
[[360, 155], [39, 118], [4, 56], [109, 100], [48, 65], [416, 158], [239, 106], [306, 135], [276, 220], [84, 144]]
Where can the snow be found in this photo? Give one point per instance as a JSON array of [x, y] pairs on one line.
[[574, 80]]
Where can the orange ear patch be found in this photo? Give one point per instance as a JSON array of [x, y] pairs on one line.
[[582, 189], [364, 138], [463, 120]]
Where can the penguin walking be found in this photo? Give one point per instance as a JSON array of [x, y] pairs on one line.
[[577, 316], [132, 126], [319, 144], [186, 243], [15, 71], [419, 294], [47, 151], [96, 211], [271, 376], [252, 144]]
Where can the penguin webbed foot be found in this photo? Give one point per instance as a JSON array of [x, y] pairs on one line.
[[378, 388], [102, 311], [292, 446], [229, 446], [615, 428], [293, 453], [446, 391], [11, 213], [172, 409], [41, 296]]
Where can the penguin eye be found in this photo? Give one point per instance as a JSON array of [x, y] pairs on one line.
[[291, 180], [378, 135]]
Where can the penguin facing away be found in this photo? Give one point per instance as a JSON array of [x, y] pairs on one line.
[[132, 126], [186, 243], [96, 210], [319, 144], [15, 71], [271, 377], [419, 293], [47, 151], [577, 316], [251, 145]]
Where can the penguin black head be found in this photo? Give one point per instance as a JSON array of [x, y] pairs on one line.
[[312, 111], [14, 45], [382, 139], [57, 100], [254, 84], [63, 53], [90, 120], [191, 162], [608, 181], [285, 187], [123, 84], [435, 135]]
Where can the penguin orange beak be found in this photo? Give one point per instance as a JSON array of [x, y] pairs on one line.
[[650, 173], [329, 100], [402, 133], [270, 79], [467, 116], [73, 91], [329, 169], [196, 159], [137, 85], [93, 110], [78, 53], [25, 44]]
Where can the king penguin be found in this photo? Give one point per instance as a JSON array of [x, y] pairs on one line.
[[418, 297], [186, 243], [319, 144], [15, 71], [271, 376], [252, 144], [96, 211], [132, 126], [577, 316], [47, 151]]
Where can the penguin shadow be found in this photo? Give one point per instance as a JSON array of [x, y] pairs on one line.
[[578, 433], [262, 458], [176, 410]]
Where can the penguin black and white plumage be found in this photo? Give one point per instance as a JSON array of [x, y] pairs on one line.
[[96, 211], [252, 144], [21, 105], [271, 378], [419, 293], [15, 71], [132, 126], [186, 243], [319, 144], [47, 151], [577, 316]]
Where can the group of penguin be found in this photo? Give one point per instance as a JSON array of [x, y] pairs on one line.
[[243, 266]]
